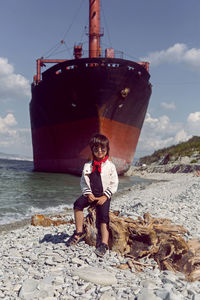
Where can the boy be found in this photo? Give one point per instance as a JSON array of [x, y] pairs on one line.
[[99, 182]]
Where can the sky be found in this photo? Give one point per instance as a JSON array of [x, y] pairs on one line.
[[164, 32]]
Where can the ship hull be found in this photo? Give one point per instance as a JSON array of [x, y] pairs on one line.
[[80, 98]]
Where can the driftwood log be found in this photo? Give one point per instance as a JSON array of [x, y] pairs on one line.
[[41, 220], [149, 237]]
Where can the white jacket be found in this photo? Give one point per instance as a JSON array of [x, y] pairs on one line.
[[109, 178]]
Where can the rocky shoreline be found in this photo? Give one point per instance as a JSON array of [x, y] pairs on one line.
[[36, 264], [168, 168]]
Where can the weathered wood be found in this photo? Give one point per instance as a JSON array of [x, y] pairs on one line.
[[41, 220], [150, 237], [155, 238]]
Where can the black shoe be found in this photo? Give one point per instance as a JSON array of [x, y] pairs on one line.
[[101, 250], [75, 238]]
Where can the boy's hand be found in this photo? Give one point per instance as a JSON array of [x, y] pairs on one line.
[[101, 200], [91, 198]]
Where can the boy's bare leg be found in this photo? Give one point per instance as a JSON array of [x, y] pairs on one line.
[[78, 215], [104, 233], [101, 250], [78, 234]]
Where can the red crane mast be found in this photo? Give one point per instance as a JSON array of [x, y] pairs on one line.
[[94, 29]]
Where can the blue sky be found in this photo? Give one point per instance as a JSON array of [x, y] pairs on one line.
[[165, 33]]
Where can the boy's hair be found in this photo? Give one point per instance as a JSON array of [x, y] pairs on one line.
[[99, 140]]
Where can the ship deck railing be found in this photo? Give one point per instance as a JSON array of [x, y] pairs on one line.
[[141, 68]]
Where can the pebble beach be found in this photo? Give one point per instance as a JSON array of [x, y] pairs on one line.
[[36, 264]]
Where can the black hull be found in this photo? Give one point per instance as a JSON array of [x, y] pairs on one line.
[[101, 95]]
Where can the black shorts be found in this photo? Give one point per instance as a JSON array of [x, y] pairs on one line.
[[101, 210]]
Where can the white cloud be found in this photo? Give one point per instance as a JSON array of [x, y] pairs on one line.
[[192, 58], [12, 139], [158, 133], [6, 123], [160, 126], [172, 54], [12, 86], [178, 53], [193, 123], [168, 106], [181, 136]]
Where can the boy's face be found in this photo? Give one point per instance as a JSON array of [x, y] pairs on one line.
[[100, 152]]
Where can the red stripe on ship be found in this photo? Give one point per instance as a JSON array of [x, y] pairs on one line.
[[64, 147]]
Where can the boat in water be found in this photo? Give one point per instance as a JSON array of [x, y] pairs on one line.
[[75, 99]]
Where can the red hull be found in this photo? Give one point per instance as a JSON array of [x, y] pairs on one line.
[[58, 147]]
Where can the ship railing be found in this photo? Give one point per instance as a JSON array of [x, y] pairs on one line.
[[141, 69], [108, 53]]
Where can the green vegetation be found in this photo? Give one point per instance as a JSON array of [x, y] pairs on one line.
[[173, 153], [194, 161]]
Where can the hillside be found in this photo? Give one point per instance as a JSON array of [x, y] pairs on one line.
[[187, 151], [183, 157]]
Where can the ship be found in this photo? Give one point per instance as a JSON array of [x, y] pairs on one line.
[[74, 99]]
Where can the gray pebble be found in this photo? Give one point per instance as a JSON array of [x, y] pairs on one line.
[[49, 270]]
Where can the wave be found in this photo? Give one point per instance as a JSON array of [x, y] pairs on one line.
[[15, 157], [10, 217]]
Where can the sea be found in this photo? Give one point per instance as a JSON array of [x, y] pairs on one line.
[[24, 192]]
